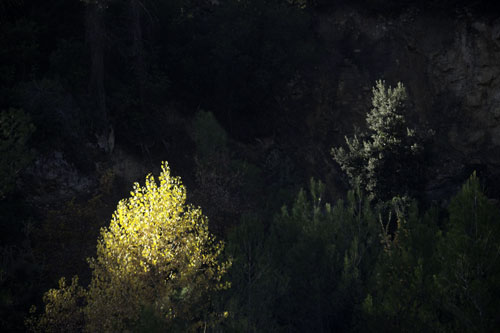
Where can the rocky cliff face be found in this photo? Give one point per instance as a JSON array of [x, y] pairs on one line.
[[450, 65]]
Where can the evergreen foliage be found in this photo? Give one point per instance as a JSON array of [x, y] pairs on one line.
[[468, 255], [386, 160], [402, 294], [436, 275], [251, 278], [307, 274]]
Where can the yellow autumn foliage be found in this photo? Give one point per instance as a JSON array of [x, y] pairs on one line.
[[157, 255]]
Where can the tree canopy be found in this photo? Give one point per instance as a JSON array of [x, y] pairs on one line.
[[384, 160], [156, 257]]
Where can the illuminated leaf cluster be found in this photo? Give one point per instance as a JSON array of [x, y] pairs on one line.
[[157, 255]]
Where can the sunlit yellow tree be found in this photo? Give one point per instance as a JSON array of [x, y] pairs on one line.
[[156, 260]]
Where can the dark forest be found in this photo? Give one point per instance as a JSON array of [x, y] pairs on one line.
[[249, 166]]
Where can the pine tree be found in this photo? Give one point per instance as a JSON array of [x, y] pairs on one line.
[[386, 160], [469, 258], [401, 293], [306, 273]]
